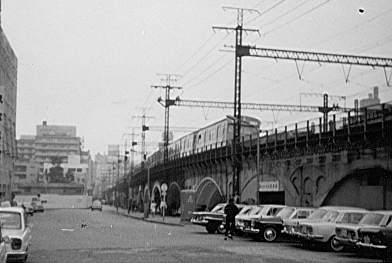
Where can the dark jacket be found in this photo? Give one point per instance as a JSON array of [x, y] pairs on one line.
[[231, 210]]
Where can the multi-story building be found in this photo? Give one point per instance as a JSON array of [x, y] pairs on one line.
[[8, 87], [53, 145], [56, 142]]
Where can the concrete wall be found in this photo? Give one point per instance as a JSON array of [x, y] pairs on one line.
[[59, 201]]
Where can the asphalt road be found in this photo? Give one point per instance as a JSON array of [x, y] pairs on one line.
[[58, 237]]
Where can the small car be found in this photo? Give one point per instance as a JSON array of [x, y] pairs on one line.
[[217, 222], [96, 205], [3, 250], [27, 207], [347, 235], [199, 217], [16, 233], [377, 239], [260, 213], [269, 228], [249, 211], [323, 231], [37, 206]]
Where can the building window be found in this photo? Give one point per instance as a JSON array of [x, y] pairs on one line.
[[79, 170]]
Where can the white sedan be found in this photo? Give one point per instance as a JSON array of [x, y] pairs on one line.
[[3, 251], [16, 233]]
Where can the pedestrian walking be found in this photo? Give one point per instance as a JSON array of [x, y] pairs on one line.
[[231, 210]]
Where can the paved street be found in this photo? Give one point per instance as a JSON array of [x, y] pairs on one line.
[[58, 237]]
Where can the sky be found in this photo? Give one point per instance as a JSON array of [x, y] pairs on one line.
[[91, 63]]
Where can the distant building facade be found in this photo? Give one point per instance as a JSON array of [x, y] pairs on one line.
[[8, 89], [53, 146], [371, 100]]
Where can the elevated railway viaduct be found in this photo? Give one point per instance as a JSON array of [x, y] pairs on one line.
[[347, 162]]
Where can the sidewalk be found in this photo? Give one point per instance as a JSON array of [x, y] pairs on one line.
[[158, 219]]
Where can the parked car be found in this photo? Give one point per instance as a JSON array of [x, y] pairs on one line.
[[3, 251], [263, 212], [37, 206], [16, 233], [291, 227], [347, 235], [323, 231], [213, 220], [245, 214], [27, 207], [377, 239], [217, 222], [269, 228], [97, 205], [198, 218]]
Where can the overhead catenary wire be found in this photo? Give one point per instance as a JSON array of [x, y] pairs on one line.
[[211, 74], [184, 74], [196, 52], [298, 17]]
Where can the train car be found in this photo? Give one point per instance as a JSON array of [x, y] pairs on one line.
[[217, 134]]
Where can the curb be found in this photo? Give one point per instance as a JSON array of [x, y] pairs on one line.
[[148, 220]]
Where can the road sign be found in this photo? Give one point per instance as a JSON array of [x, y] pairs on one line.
[[164, 187]]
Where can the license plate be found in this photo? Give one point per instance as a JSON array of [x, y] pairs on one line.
[[366, 239]]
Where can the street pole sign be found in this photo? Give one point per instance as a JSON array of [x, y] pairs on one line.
[[163, 203]]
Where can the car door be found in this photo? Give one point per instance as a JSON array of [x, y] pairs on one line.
[[2, 249], [26, 230]]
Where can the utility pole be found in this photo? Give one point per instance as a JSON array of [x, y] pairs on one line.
[[169, 78], [237, 165], [145, 128]]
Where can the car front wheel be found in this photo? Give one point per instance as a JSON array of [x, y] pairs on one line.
[[270, 234], [334, 245], [211, 228]]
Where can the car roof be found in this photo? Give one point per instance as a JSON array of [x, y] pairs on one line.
[[340, 208], [384, 212], [14, 209]]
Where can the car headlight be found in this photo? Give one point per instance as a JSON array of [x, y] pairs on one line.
[[16, 243]]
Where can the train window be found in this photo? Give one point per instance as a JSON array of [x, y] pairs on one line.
[[217, 131]]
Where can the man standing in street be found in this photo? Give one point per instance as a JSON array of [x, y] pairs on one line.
[[231, 210]]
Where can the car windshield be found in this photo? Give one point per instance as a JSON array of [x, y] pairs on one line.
[[330, 216], [245, 210], [10, 220], [318, 214], [286, 212], [352, 218], [218, 208], [256, 211], [371, 219], [97, 203]]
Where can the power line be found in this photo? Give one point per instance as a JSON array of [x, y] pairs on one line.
[[196, 52], [203, 57], [272, 21], [297, 17], [200, 74], [266, 11], [211, 74]]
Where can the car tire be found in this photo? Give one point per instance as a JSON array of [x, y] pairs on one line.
[[221, 229], [270, 234], [211, 228], [334, 245]]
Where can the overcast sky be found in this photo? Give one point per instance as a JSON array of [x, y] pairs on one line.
[[90, 63]]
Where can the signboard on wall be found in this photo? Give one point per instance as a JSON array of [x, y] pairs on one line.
[[269, 186]]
